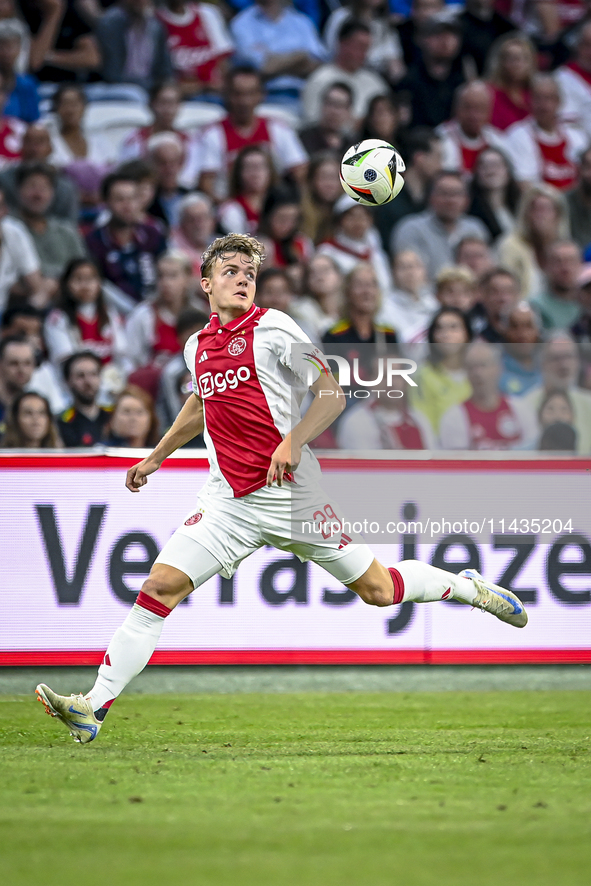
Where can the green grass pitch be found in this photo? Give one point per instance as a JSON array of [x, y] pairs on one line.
[[314, 789]]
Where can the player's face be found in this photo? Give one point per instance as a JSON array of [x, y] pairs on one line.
[[232, 285]]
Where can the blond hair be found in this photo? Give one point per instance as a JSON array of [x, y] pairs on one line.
[[454, 274], [496, 58], [228, 245]]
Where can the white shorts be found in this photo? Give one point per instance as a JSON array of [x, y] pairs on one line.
[[292, 518]]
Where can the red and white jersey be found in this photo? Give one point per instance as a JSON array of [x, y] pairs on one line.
[[459, 151], [538, 155], [197, 39], [574, 83], [512, 425], [151, 335], [251, 377], [11, 136], [371, 426], [221, 142]]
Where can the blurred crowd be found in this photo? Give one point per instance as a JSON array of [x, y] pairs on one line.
[[133, 134]]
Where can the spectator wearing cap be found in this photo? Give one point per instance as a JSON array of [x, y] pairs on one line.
[[557, 303], [356, 240], [57, 241], [36, 148], [423, 158], [433, 79], [436, 232], [133, 45], [541, 148], [125, 250], [521, 364], [21, 89], [579, 202], [281, 43], [166, 154], [221, 142], [481, 25], [334, 130], [469, 132], [84, 422], [349, 66]]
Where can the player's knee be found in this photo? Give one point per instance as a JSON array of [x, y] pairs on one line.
[[375, 594], [159, 590]]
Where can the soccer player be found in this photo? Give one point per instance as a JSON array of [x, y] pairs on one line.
[[248, 379]]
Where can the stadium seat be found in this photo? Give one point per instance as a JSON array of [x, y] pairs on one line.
[[195, 115]]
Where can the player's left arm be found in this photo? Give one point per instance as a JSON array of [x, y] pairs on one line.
[[328, 403]]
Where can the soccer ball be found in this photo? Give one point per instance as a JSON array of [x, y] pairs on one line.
[[370, 172]]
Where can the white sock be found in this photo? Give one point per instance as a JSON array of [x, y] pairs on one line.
[[424, 583], [129, 652]]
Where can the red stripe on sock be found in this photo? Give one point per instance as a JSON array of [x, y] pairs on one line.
[[108, 704], [152, 605], [398, 585]]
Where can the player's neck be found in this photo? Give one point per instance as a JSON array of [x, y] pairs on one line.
[[226, 315]]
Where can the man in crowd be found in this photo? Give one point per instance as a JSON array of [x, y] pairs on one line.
[[521, 369], [557, 303], [436, 232], [166, 153], [481, 25], [422, 155], [541, 148], [84, 422], [349, 66], [333, 131], [57, 241], [221, 142], [574, 81], [281, 43], [433, 79], [476, 254], [124, 249], [133, 45], [499, 294], [17, 365], [469, 131], [561, 368], [488, 419], [36, 148], [579, 202]]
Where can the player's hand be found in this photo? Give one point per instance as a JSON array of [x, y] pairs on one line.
[[137, 476], [284, 460]]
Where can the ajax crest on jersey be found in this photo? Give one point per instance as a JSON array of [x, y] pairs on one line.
[[371, 172]]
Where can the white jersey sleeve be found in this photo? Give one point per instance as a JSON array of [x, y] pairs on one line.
[[454, 430], [215, 26], [189, 355], [213, 149], [293, 348], [288, 151]]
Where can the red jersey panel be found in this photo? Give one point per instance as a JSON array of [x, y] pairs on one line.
[[498, 429]]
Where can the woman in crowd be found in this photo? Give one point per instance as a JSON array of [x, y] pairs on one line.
[[512, 64], [83, 321], [151, 326], [30, 424], [494, 192], [280, 229], [382, 120], [441, 379], [323, 189], [385, 52], [323, 298], [70, 141], [134, 422], [253, 174], [542, 218], [409, 307]]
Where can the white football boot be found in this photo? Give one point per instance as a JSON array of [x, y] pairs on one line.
[[496, 600], [74, 711]]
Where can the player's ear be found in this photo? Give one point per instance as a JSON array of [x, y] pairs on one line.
[[206, 284]]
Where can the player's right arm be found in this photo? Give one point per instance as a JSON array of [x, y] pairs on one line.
[[187, 424]]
